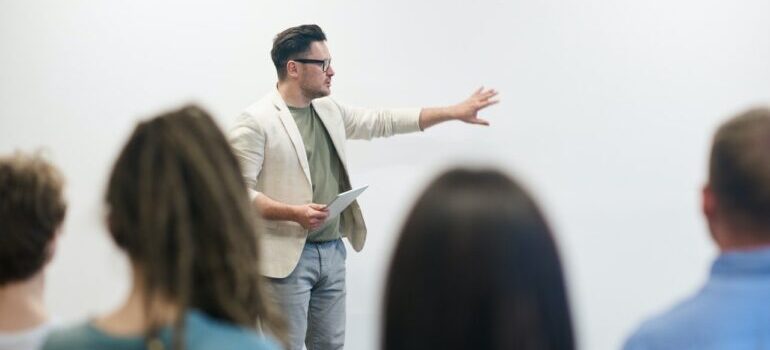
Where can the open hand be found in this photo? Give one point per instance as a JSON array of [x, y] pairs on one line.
[[468, 110]]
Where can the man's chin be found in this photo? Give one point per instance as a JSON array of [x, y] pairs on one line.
[[318, 93], [323, 93]]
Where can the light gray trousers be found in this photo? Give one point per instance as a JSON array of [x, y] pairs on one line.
[[312, 297]]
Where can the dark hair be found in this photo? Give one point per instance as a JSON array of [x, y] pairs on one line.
[[32, 208], [476, 267], [292, 42], [739, 169], [179, 208]]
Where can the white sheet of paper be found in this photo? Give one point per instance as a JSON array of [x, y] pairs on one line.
[[343, 200]]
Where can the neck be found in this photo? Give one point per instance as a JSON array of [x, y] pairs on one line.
[[743, 246], [293, 95], [130, 319], [21, 304], [731, 239]]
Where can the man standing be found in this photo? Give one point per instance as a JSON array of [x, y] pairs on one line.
[[732, 311], [291, 145]]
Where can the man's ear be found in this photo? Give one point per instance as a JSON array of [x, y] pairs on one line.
[[291, 69], [709, 203], [109, 221], [53, 243]]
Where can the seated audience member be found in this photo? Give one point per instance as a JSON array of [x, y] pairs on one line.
[[32, 209], [732, 310], [178, 207], [476, 267]]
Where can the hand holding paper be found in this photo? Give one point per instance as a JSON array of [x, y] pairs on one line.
[[343, 200]]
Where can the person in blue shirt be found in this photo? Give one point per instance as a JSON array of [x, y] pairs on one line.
[[177, 206], [732, 311]]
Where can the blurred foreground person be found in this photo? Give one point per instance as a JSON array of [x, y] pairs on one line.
[[32, 209], [476, 267], [180, 211], [732, 311]]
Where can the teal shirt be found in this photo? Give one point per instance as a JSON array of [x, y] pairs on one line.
[[325, 167], [201, 332]]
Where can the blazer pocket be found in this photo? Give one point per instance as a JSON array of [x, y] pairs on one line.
[[276, 225]]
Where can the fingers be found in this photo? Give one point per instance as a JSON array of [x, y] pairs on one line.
[[314, 216], [320, 215], [485, 93], [478, 121], [314, 224], [486, 99], [316, 220], [317, 206], [488, 103]]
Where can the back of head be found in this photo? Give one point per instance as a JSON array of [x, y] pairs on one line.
[[179, 209], [291, 43], [739, 171], [32, 208], [476, 267]]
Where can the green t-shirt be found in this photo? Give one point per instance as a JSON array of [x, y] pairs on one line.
[[325, 167]]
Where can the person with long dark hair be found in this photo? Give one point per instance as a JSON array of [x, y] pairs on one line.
[[177, 206], [476, 267]]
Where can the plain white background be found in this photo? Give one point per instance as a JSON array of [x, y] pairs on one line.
[[606, 114]]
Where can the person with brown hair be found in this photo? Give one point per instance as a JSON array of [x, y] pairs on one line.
[[476, 267], [732, 310], [32, 209], [291, 145], [177, 206]]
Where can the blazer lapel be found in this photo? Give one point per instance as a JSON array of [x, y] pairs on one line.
[[291, 129], [329, 123]]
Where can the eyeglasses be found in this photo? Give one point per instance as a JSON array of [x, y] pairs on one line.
[[324, 63]]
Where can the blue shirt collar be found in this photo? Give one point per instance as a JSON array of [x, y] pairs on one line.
[[742, 263]]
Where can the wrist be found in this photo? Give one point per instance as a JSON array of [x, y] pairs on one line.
[[436, 115], [294, 212], [452, 112]]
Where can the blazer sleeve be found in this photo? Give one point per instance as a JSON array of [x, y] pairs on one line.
[[248, 144], [361, 123]]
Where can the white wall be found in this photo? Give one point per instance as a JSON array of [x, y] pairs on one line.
[[606, 114]]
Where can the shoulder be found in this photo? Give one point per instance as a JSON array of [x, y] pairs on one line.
[[71, 337], [676, 326], [264, 110], [234, 341], [205, 332], [326, 105], [31, 338], [327, 101]]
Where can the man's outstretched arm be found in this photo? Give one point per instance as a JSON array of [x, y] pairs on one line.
[[466, 111]]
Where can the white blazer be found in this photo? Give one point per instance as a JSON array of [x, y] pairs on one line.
[[269, 147]]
